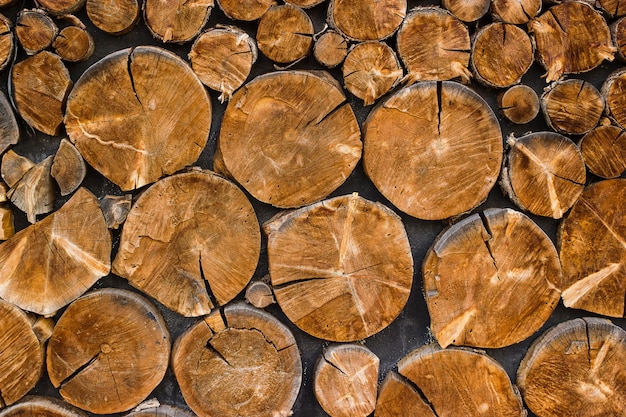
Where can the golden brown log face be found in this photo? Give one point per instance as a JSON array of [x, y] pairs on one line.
[[7, 225], [434, 46], [68, 168], [60, 7], [7, 42], [74, 44], [259, 294], [604, 151], [305, 4], [571, 38], [51, 263], [614, 93], [572, 106], [35, 30], [467, 10], [544, 173], [366, 20], [516, 12], [576, 368], [618, 36], [433, 149], [285, 34], [97, 357], [519, 104], [613, 8], [341, 269], [34, 192], [593, 252], [38, 406], [490, 280], [290, 138], [21, 355], [330, 49], [397, 397], [115, 17], [461, 382], [201, 240], [160, 411], [247, 10], [345, 380], [176, 20], [138, 114], [242, 363], [14, 167]]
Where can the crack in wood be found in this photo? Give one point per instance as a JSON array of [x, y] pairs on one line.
[[209, 346], [207, 285], [78, 370], [419, 392]]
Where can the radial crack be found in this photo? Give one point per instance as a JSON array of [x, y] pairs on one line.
[[217, 353], [79, 370], [207, 285], [419, 392]]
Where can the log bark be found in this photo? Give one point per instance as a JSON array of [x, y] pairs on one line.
[[121, 21], [178, 21], [592, 251], [34, 193], [9, 129], [614, 92], [516, 12], [193, 250], [364, 20], [330, 49], [289, 138], [116, 113], [7, 42], [490, 280], [35, 30], [519, 104], [247, 10], [433, 149], [341, 269], [241, 362], [604, 151], [467, 11], [572, 106], [576, 368], [97, 353], [74, 44], [115, 209], [39, 406], [285, 34], [60, 7], [68, 168], [398, 397]]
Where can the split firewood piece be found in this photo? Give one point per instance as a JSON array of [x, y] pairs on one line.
[[571, 38], [517, 12], [461, 382], [618, 36], [38, 406], [371, 70], [7, 43], [330, 49], [613, 8], [159, 411], [14, 167], [614, 93], [434, 45], [35, 193], [259, 294], [467, 11], [305, 4], [501, 54], [572, 106], [290, 138], [40, 86], [60, 7], [108, 351], [74, 44], [433, 149], [544, 173], [490, 280], [398, 397], [21, 354], [59, 257], [341, 269], [9, 129], [593, 250], [195, 249], [519, 104], [222, 58], [576, 368], [364, 20], [4, 188], [7, 226], [120, 22], [35, 30], [115, 209], [247, 10], [68, 168], [176, 21], [139, 114], [285, 34], [604, 151], [345, 380], [238, 362]]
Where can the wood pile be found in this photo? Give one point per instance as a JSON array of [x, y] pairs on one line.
[[344, 208]]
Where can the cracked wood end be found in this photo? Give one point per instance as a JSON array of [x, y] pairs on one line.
[[613, 8], [247, 10], [14, 167], [341, 269], [39, 406], [330, 49], [519, 104], [516, 12], [576, 368], [543, 173], [345, 380], [250, 366], [68, 168], [305, 4], [160, 411], [35, 30], [7, 42], [467, 10], [618, 36], [572, 106], [60, 7], [398, 397], [34, 193], [364, 20], [604, 151], [434, 149], [97, 357], [285, 34], [259, 294], [614, 92], [137, 115], [290, 138], [201, 237], [490, 280], [74, 44], [124, 19], [176, 21], [592, 242]]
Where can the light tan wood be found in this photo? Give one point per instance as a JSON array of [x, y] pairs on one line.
[[35, 30], [7, 42], [74, 44], [618, 37], [178, 21], [7, 225], [467, 10], [60, 7], [519, 104], [516, 12], [115, 209], [9, 129], [330, 49], [121, 21], [604, 151], [68, 168], [34, 193], [572, 106], [613, 90], [398, 397], [247, 10], [364, 20], [39, 406], [259, 294], [285, 34], [14, 167], [305, 4], [161, 410]]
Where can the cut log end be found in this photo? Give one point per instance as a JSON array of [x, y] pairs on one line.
[[519, 104], [330, 49]]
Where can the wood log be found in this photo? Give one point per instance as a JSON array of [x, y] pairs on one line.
[[501, 54], [571, 38], [572, 106], [285, 34], [614, 92], [115, 17], [247, 10], [618, 37], [97, 357], [40, 406], [239, 362], [202, 242], [117, 111], [7, 225], [34, 193], [461, 382], [35, 30], [21, 355], [433, 149], [176, 21], [4, 188], [7, 3], [40, 86], [68, 168], [516, 12], [591, 241], [59, 257], [74, 44], [576, 368], [364, 20], [9, 129], [543, 173], [613, 8], [7, 42], [305, 4], [371, 70], [60, 7], [290, 138], [14, 167], [160, 410], [341, 269], [490, 280], [398, 397], [604, 151], [222, 58], [519, 104], [330, 49], [467, 11], [115, 209], [260, 294], [345, 380]]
